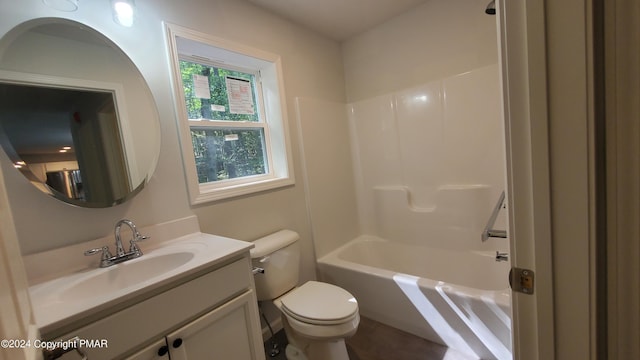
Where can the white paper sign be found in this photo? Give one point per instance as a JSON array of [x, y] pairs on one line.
[[201, 86], [240, 96]]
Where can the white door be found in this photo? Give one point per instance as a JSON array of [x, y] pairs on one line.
[[545, 58], [527, 188]]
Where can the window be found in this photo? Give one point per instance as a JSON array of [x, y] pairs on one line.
[[231, 114], [228, 132]]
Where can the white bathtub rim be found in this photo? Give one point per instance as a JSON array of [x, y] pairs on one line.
[[501, 297]]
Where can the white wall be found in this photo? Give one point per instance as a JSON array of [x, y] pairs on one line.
[[428, 139], [433, 41], [328, 172], [312, 67]]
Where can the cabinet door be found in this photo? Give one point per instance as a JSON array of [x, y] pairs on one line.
[[231, 331], [156, 351]]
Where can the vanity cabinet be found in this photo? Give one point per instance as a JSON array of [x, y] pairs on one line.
[[224, 333], [212, 316], [156, 351]]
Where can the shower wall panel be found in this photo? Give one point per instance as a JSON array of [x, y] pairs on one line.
[[437, 148]]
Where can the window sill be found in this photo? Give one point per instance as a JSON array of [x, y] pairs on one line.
[[207, 193]]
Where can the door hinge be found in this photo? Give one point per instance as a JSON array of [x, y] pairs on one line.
[[522, 280]]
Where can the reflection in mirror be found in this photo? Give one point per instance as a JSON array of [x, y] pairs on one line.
[[76, 117], [43, 126]]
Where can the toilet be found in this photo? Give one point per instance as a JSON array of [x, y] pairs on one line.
[[316, 316]]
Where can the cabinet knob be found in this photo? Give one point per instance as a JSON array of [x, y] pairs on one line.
[[163, 350], [177, 342]]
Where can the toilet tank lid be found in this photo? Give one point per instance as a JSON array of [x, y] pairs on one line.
[[270, 243]]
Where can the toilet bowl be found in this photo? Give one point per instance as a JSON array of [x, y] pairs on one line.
[[316, 316], [320, 311]]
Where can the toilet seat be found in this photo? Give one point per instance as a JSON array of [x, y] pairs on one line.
[[321, 332], [320, 303]]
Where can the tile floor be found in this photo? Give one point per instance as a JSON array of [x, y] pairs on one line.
[[376, 341]]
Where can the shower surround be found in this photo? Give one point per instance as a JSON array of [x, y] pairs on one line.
[[429, 166], [429, 161]]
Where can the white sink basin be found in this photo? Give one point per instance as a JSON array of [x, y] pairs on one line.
[[71, 297], [125, 275]]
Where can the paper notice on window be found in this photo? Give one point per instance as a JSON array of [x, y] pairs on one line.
[[231, 137], [240, 96], [201, 86]]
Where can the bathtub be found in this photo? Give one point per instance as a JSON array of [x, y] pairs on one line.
[[459, 299]]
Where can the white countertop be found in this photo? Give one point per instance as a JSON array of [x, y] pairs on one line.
[[55, 305]]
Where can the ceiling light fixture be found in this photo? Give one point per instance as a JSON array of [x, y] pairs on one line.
[[123, 12], [62, 5]]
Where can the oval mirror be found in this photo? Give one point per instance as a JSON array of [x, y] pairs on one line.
[[77, 118]]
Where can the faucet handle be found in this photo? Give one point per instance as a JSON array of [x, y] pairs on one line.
[[106, 255], [104, 250], [133, 248], [140, 237]]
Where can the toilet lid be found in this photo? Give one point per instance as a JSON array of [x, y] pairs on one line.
[[320, 303]]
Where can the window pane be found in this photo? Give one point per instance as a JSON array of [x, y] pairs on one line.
[[214, 93], [228, 153]]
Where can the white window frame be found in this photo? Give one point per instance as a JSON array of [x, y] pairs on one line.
[[190, 45]]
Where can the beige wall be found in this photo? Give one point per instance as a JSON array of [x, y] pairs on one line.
[[312, 67], [16, 318], [433, 41], [328, 173]]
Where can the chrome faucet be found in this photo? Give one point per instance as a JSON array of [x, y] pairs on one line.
[[136, 237], [134, 251]]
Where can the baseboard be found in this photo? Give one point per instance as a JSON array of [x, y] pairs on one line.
[[276, 325]]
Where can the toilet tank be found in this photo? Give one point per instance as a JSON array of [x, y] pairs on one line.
[[279, 255]]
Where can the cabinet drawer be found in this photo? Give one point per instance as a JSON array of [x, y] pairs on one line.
[[132, 327]]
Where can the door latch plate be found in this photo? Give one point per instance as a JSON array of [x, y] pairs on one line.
[[522, 280]]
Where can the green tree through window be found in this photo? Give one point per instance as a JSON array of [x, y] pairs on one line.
[[223, 150]]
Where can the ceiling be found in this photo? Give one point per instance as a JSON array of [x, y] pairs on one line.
[[338, 19]]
